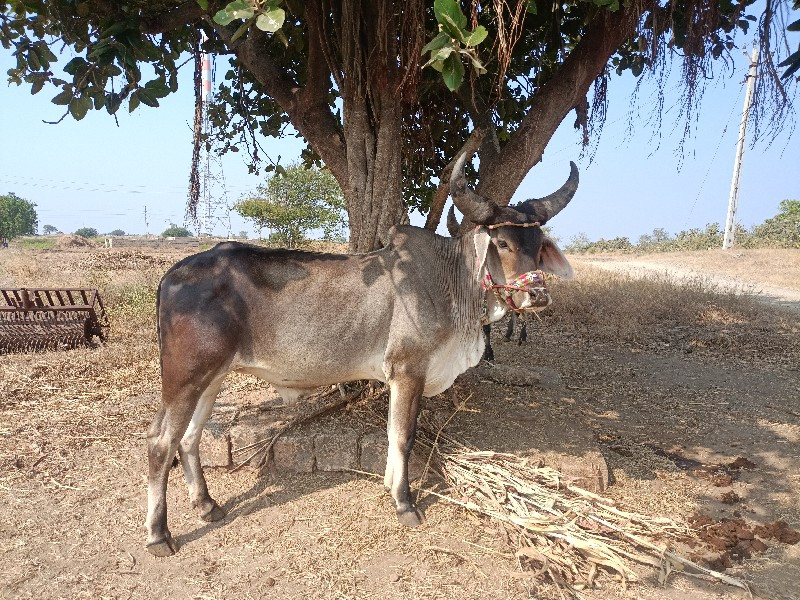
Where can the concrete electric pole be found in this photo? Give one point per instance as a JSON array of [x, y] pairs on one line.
[[733, 200]]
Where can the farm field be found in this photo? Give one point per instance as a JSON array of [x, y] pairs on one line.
[[689, 391]]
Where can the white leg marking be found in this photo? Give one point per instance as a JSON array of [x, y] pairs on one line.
[[190, 442]]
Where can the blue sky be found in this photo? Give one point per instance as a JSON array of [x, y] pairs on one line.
[[95, 174]]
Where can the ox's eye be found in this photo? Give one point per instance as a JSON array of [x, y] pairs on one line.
[[501, 244]]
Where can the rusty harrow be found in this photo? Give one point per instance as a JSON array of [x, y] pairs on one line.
[[50, 319]]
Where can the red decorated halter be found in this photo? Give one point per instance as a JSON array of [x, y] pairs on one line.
[[531, 282]]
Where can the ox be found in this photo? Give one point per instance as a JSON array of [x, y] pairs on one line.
[[409, 314]]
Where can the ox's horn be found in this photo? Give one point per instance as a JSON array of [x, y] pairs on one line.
[[452, 223], [474, 207], [544, 209]]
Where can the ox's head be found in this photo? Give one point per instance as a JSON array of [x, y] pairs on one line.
[[510, 246]]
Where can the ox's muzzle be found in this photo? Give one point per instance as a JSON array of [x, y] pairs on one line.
[[527, 293]]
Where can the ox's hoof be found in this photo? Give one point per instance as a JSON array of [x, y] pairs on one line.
[[410, 518], [215, 514], [166, 547]]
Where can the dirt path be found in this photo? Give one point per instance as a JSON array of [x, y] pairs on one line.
[[643, 267]]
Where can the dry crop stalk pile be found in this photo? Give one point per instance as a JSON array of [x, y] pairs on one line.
[[561, 531]]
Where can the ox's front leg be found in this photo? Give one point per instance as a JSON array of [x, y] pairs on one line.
[[406, 391]]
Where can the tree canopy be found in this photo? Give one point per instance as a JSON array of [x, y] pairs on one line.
[[86, 232], [348, 76], [176, 231], [295, 201], [17, 217]]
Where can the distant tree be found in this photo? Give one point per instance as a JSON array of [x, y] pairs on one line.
[[578, 243], [175, 231], [782, 230], [17, 217], [86, 232], [117, 232], [295, 201], [243, 234], [657, 241], [49, 230]]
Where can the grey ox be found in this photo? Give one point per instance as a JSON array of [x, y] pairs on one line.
[[409, 314]]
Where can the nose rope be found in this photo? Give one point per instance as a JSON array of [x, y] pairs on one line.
[[532, 283]]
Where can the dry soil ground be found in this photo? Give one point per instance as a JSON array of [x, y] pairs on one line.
[[672, 381]]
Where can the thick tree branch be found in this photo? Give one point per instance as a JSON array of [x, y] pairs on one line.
[[502, 174], [184, 14], [310, 115]]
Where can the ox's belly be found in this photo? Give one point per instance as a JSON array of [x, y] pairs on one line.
[[302, 371], [311, 374]]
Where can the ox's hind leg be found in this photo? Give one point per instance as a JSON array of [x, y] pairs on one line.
[[406, 392], [177, 427], [189, 451]]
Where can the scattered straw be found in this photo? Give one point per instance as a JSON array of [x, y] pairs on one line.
[[563, 532]]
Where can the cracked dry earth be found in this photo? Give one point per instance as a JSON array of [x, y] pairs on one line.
[[674, 408]]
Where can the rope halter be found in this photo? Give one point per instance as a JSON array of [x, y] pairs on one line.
[[532, 283]]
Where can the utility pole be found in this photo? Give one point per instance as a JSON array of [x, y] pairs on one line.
[[146, 224], [733, 200]]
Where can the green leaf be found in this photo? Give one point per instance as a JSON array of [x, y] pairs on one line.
[[242, 28], [282, 37], [63, 99], [222, 18], [532, 8], [436, 43], [133, 103], [451, 27], [449, 9], [37, 85], [438, 65], [271, 21], [794, 26], [793, 64], [146, 97], [202, 4], [441, 53], [453, 72], [114, 29], [477, 36], [74, 65], [476, 64], [113, 102], [79, 107], [33, 60], [240, 9], [157, 88]]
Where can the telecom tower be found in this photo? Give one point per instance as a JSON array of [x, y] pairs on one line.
[[213, 194]]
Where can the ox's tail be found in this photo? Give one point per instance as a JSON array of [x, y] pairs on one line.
[[158, 328]]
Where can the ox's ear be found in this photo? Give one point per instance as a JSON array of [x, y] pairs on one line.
[[553, 260], [482, 241]]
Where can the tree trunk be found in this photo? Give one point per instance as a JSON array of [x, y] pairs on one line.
[[373, 189]]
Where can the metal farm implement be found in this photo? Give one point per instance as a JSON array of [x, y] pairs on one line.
[[50, 319]]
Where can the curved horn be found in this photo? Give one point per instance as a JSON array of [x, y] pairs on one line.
[[452, 223], [544, 209], [474, 207]]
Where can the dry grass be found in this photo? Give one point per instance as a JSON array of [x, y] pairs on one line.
[[660, 312]]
